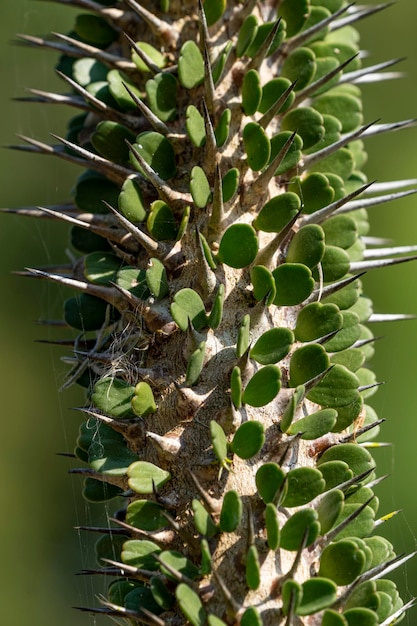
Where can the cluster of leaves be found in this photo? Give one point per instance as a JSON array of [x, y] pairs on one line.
[[200, 246]]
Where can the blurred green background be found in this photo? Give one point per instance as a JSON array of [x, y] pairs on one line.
[[40, 503]]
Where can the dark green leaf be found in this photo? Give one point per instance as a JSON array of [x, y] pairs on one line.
[[308, 362], [145, 477], [248, 439], [161, 91], [263, 386], [302, 523], [158, 153], [190, 65], [277, 212], [303, 485], [257, 146], [293, 282], [190, 604], [238, 246], [272, 346], [269, 479]]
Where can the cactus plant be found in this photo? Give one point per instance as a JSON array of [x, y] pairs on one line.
[[219, 234]]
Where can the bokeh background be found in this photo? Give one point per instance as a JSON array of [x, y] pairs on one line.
[[39, 503]]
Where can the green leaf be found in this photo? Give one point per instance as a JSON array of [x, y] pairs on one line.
[[361, 617], [300, 65], [190, 65], [253, 570], [329, 509], [301, 523], [142, 597], [119, 589], [246, 34], [213, 10], [146, 515], [338, 388], [346, 108], [156, 57], [277, 212], [156, 278], [365, 595], [115, 93], [269, 479], [160, 593], [231, 512], [314, 425], [101, 267], [236, 387], [143, 401], [340, 231], [145, 477], [263, 284], [238, 246], [289, 412], [133, 280], [291, 595], [263, 386], [161, 92], [307, 246], [257, 146], [221, 132], [179, 562], [340, 163], [113, 396], [251, 617], [361, 526], [230, 184], [199, 187], [158, 153], [208, 256], [139, 553], [317, 320], [195, 365], [219, 441], [87, 70], [94, 30], [262, 34], [335, 473], [272, 526], [161, 222], [317, 594], [303, 485], [272, 91], [251, 92], [248, 439], [212, 620], [316, 192], [272, 346], [293, 282], [216, 312], [130, 201], [307, 122], [202, 520], [308, 362], [109, 139], [358, 458], [195, 126], [99, 491], [293, 154], [335, 263], [219, 64], [190, 604], [90, 191], [110, 457], [295, 14], [188, 306], [342, 561], [332, 618]]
